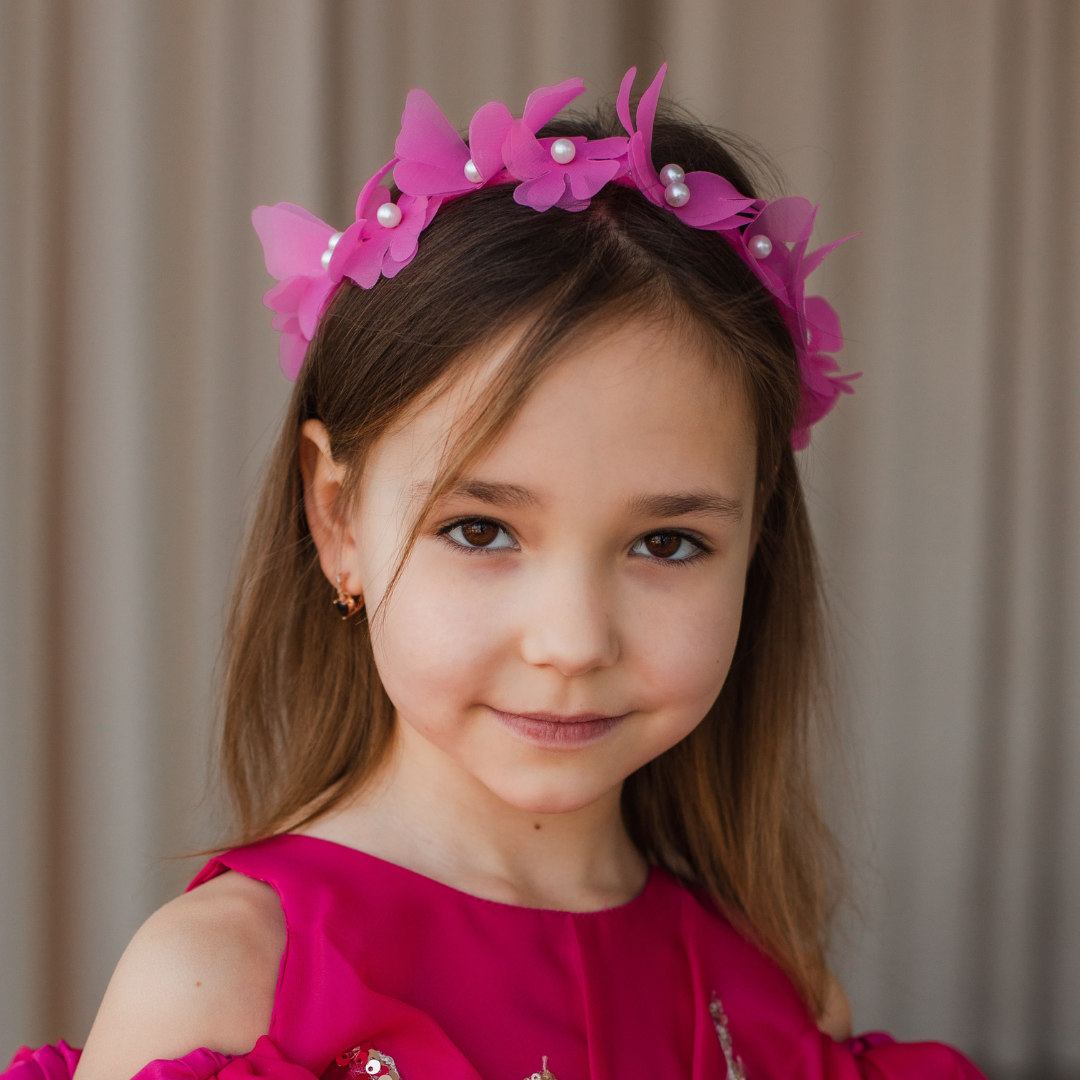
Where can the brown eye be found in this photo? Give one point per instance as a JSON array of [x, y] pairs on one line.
[[480, 534], [663, 545], [670, 547]]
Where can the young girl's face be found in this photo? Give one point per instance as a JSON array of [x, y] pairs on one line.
[[570, 609]]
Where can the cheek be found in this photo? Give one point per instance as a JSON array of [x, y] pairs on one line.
[[679, 643], [438, 643]]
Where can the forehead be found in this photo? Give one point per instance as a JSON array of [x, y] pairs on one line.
[[641, 403]]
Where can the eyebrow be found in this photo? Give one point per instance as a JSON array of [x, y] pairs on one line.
[[491, 493], [670, 505], [681, 503]]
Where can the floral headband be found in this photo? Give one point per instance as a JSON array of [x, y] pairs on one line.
[[432, 164]]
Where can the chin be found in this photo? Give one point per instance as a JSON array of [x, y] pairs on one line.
[[556, 797]]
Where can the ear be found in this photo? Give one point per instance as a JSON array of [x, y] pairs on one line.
[[330, 526]]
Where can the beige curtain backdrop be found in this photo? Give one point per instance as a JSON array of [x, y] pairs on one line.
[[139, 390]]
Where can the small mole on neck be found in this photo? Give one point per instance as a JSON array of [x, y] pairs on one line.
[[537, 825]]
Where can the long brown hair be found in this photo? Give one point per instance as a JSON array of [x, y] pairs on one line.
[[733, 807]]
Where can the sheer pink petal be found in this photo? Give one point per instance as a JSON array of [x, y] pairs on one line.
[[292, 348], [285, 296], [403, 246], [569, 202], [293, 240], [392, 267], [433, 204], [524, 155], [312, 304], [824, 325], [412, 209], [365, 264], [800, 437], [768, 277], [712, 199], [812, 261], [546, 102], [644, 172], [365, 192], [427, 136], [423, 178], [541, 193], [789, 219], [343, 249], [646, 110], [487, 132], [614, 147], [590, 177], [622, 102], [377, 195]]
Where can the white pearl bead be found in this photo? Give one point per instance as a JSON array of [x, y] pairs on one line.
[[472, 173], [330, 245], [677, 194], [671, 174], [760, 246], [389, 215], [563, 151]]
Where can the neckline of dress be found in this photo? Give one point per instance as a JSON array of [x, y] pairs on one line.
[[393, 867]]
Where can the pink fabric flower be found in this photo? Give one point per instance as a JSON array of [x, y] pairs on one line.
[[294, 243], [715, 203], [433, 164], [432, 156], [545, 181], [814, 325], [372, 249]]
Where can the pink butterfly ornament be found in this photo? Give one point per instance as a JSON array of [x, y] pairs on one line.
[[295, 245], [713, 203], [433, 158], [562, 172]]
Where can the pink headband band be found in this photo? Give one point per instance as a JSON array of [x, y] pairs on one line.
[[432, 163]]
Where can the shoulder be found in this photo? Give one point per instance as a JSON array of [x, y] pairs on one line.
[[200, 972]]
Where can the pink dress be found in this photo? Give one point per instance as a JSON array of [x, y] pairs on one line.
[[388, 974]]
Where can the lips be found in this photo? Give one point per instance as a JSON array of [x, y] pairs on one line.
[[554, 732]]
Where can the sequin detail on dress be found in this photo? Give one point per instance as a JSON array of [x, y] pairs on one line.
[[543, 1074], [362, 1062], [735, 1070]]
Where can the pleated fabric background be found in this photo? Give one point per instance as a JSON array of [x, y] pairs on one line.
[[139, 390]]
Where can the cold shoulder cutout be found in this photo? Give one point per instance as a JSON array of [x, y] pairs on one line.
[[387, 973]]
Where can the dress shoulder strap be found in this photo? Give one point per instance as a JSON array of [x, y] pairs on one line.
[[291, 869], [299, 872]]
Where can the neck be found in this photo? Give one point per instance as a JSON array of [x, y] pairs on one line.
[[424, 812]]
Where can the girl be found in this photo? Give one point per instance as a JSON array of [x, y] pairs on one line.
[[542, 805]]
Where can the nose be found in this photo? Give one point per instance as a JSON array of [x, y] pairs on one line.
[[571, 624]]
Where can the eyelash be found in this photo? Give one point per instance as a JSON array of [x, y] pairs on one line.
[[703, 549]]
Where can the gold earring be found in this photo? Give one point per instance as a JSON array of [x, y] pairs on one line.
[[345, 604]]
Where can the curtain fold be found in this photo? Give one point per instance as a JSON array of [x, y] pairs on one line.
[[140, 392]]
